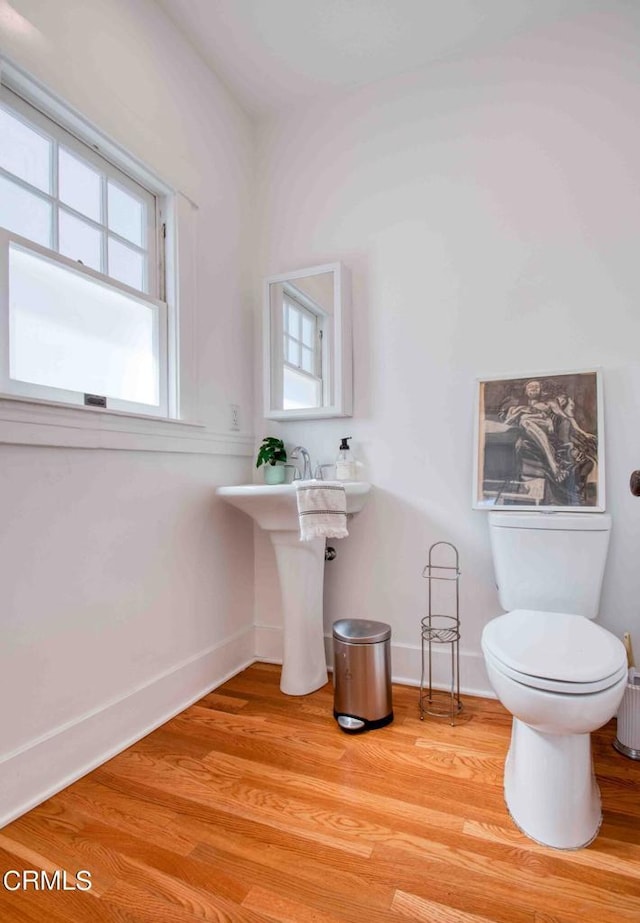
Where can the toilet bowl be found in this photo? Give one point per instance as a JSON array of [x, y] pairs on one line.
[[561, 676]]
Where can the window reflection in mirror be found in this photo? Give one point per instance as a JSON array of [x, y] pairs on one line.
[[308, 344], [303, 331]]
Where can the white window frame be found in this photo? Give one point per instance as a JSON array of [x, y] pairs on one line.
[[50, 129], [27, 389], [61, 138], [31, 421]]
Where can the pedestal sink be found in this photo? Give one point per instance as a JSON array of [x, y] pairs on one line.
[[301, 574]]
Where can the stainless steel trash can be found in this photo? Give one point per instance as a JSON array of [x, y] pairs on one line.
[[361, 674]]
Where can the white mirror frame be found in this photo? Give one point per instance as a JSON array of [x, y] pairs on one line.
[[339, 402]]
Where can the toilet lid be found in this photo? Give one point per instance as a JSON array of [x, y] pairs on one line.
[[556, 647]]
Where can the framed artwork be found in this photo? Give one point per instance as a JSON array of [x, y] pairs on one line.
[[539, 442]]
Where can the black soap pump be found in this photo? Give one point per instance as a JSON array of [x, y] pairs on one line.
[[345, 465]]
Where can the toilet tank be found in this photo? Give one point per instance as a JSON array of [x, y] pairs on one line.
[[550, 561]]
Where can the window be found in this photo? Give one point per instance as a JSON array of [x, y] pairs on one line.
[[302, 352], [80, 289]]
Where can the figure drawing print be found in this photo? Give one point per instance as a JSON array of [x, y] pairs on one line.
[[539, 442]]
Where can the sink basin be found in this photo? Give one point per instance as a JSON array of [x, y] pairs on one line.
[[301, 573], [274, 507]]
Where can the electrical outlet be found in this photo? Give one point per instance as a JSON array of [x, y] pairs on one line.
[[234, 419]]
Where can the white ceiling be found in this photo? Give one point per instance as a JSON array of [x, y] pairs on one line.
[[276, 53]]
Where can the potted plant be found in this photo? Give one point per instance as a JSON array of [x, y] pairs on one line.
[[272, 454]]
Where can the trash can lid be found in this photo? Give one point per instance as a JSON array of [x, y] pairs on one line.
[[361, 631]]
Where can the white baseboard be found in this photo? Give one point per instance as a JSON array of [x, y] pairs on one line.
[[35, 772], [406, 668], [268, 644], [405, 662]]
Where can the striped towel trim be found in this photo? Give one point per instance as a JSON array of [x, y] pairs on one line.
[[322, 510]]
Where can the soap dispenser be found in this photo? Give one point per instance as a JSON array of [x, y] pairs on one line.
[[346, 469]]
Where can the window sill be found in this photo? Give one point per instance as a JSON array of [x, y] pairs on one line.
[[28, 421]]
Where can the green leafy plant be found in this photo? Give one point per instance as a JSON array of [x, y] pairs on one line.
[[271, 451]]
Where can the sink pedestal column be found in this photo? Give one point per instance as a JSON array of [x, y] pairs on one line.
[[301, 573]]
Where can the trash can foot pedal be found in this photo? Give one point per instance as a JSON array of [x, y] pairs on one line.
[[352, 725]]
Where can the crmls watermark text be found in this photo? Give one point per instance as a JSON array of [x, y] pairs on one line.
[[41, 880]]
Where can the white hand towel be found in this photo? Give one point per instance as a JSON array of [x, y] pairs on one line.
[[322, 509]]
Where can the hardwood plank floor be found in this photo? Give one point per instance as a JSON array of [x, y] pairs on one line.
[[253, 807]]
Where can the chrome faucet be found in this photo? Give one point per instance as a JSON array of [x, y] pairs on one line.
[[306, 468]]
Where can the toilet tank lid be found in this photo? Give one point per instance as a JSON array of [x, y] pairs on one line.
[[576, 522]]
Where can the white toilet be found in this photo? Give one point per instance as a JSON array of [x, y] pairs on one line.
[[559, 674]]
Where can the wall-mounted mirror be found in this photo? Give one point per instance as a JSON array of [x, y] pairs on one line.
[[307, 344]]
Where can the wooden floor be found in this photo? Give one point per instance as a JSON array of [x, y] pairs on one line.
[[253, 806]]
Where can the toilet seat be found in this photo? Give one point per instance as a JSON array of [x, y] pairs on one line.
[[550, 685], [554, 651]]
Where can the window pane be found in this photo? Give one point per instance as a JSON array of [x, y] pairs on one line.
[[294, 322], [308, 328], [79, 185], [307, 360], [67, 331], [126, 265], [24, 213], [291, 351], [125, 214], [299, 391], [24, 152], [79, 240]]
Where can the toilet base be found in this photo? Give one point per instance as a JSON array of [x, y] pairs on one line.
[[550, 787]]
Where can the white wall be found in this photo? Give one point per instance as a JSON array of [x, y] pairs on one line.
[[126, 587], [489, 209]]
